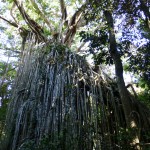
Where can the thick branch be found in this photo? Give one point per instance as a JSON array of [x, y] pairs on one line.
[[41, 14], [23, 32], [31, 23], [63, 9], [73, 25]]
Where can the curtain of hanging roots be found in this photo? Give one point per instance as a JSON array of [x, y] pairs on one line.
[[57, 97]]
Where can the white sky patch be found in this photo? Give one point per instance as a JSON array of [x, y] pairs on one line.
[[4, 57], [90, 59]]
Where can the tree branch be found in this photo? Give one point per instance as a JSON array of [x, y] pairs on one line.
[[73, 25], [9, 49], [9, 22], [63, 9], [41, 14], [11, 12], [80, 47], [36, 29], [130, 85]]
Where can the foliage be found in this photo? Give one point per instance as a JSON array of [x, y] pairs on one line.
[[98, 45], [3, 110], [7, 74], [136, 26], [145, 97], [133, 44]]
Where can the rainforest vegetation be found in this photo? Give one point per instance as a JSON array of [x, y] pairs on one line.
[[64, 66]]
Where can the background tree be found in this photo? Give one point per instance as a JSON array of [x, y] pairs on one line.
[[9, 55]]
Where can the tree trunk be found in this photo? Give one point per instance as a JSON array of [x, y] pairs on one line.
[[126, 101]]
